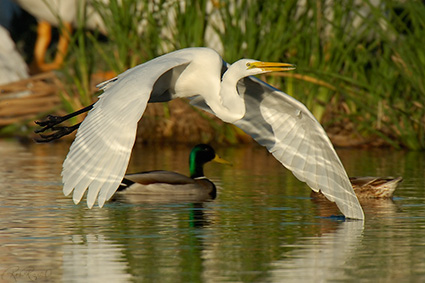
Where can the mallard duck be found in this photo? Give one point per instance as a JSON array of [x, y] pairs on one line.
[[161, 184], [371, 187]]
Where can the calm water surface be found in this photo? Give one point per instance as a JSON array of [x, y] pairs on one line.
[[263, 226]]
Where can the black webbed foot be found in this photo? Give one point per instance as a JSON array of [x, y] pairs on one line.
[[58, 132], [51, 122]]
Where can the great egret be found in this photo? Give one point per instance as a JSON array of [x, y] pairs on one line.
[[62, 14], [174, 185], [99, 156], [373, 187]]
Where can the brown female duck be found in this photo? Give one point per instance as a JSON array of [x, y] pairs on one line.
[[371, 187]]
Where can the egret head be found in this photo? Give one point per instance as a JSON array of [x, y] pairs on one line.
[[230, 97]]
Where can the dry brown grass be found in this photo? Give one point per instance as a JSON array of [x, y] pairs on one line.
[[25, 100]]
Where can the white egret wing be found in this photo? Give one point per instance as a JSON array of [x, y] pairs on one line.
[[99, 156], [291, 133]]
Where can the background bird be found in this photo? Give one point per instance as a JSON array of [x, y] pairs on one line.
[[12, 65], [61, 14]]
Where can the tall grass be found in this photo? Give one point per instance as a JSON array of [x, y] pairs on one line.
[[367, 57]]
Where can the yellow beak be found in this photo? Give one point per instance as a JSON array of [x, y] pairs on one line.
[[218, 159], [272, 66]]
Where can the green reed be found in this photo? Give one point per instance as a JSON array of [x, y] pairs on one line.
[[365, 59]]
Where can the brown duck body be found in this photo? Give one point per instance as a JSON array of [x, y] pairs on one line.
[[375, 187], [371, 187], [166, 184]]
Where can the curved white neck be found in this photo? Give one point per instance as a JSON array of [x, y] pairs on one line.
[[231, 106]]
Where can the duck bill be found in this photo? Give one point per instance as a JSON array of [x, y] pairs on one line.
[[218, 159], [273, 66]]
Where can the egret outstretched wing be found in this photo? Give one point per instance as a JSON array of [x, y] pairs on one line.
[[99, 156], [291, 133]]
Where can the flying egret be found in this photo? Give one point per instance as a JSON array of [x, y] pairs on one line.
[[99, 156], [174, 185]]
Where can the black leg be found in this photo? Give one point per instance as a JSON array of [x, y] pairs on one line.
[[58, 131]]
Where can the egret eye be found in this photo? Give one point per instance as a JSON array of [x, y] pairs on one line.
[[250, 66]]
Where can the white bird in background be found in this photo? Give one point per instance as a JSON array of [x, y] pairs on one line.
[[67, 14], [62, 14], [12, 65], [99, 156]]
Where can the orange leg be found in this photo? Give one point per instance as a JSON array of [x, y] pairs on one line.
[[44, 35], [63, 43]]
